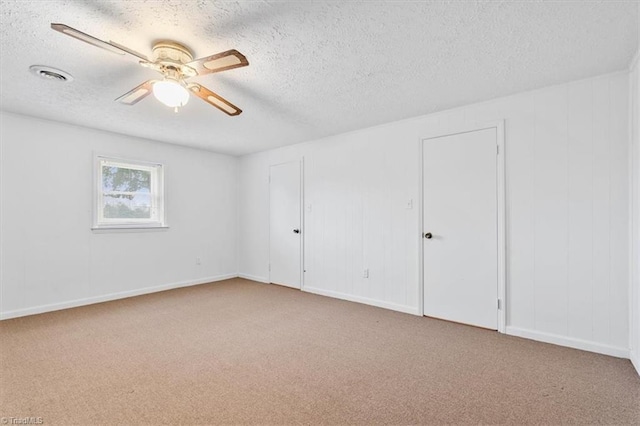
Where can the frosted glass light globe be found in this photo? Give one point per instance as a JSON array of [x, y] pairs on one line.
[[171, 93]]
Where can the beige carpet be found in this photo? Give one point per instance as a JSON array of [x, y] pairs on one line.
[[242, 352]]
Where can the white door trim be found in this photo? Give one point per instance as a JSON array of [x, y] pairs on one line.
[[502, 216], [302, 227]]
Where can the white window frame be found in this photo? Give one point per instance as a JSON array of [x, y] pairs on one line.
[[156, 170]]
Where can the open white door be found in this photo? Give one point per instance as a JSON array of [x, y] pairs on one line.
[[460, 225], [284, 224]]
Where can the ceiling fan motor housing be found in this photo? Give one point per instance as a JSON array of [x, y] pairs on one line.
[[171, 51], [171, 59]]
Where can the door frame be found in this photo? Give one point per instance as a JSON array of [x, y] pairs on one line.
[[501, 209], [302, 225]]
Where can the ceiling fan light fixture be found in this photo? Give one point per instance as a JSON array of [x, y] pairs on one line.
[[171, 93]]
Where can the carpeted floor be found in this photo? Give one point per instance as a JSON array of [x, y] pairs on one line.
[[242, 352]]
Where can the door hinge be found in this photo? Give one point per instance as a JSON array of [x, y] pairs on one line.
[[269, 267], [498, 149], [499, 305]]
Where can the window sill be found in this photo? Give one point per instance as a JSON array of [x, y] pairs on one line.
[[128, 228]]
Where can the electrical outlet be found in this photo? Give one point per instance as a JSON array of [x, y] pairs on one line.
[[365, 273], [409, 205], [198, 261]]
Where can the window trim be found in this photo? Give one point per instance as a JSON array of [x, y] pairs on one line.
[[157, 192]]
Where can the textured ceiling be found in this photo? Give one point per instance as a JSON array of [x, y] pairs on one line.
[[316, 68]]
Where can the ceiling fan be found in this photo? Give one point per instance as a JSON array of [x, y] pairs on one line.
[[176, 64]]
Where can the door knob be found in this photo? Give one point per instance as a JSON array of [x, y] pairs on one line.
[[296, 231], [428, 235]]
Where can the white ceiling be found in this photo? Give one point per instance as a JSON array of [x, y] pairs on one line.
[[316, 68]]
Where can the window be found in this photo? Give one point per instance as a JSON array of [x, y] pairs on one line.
[[129, 194]]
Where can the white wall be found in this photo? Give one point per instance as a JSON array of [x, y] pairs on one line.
[[567, 200], [51, 259], [634, 318]]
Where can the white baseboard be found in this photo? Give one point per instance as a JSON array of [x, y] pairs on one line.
[[254, 278], [107, 297], [635, 360], [570, 342], [373, 302]]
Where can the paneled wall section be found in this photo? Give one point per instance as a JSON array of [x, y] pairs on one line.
[[50, 257], [567, 211]]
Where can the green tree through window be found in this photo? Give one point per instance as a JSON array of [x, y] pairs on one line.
[[129, 180], [126, 192]]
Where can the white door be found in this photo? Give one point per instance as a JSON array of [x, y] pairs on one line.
[[460, 240], [284, 224]]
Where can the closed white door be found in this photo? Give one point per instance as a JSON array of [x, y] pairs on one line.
[[460, 240], [284, 228]]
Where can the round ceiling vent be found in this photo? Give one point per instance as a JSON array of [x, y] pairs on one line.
[[50, 73]]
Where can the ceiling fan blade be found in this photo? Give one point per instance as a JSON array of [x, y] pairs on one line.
[[137, 94], [129, 51], [214, 99], [219, 62], [110, 46]]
